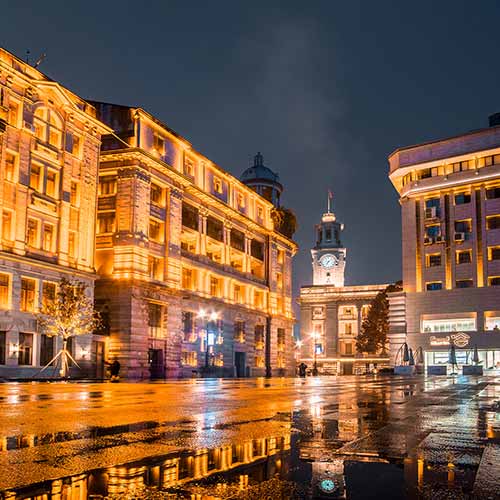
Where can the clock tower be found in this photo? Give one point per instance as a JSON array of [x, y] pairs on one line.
[[328, 255]]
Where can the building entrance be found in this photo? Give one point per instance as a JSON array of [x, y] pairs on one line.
[[240, 364], [156, 363], [347, 368]]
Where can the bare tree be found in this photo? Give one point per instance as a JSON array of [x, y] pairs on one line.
[[69, 314]]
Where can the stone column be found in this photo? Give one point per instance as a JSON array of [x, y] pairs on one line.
[[202, 230]]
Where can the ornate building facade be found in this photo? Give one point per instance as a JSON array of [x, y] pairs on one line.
[[450, 208], [331, 314], [49, 155], [194, 278]]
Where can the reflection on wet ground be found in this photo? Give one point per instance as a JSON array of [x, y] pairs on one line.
[[348, 437]]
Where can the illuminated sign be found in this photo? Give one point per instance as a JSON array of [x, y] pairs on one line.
[[458, 339]]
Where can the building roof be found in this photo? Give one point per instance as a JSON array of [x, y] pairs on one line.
[[259, 172]]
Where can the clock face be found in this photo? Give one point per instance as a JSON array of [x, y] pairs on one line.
[[327, 485], [328, 260]]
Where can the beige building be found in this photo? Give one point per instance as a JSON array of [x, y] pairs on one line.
[[450, 208], [331, 314], [194, 278], [49, 152]]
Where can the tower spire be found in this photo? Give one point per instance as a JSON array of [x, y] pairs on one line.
[[330, 198]]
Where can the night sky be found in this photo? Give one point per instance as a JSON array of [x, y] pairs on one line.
[[325, 89]]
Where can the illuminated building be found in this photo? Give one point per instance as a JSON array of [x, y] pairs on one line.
[[331, 314], [194, 278], [450, 208], [49, 152]]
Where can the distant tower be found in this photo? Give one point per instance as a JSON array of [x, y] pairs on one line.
[[263, 180], [328, 255]]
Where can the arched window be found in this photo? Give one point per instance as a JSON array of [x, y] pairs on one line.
[[48, 126]]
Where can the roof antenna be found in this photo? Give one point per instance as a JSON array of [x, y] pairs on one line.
[[40, 60], [28, 56]]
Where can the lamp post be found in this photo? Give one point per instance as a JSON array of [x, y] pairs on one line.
[[213, 316], [314, 336]]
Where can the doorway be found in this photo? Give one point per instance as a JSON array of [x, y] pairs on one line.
[[156, 364], [347, 368], [240, 364], [99, 360]]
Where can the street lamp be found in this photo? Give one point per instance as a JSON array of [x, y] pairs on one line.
[[213, 316], [315, 336]]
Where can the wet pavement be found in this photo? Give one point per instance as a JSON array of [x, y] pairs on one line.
[[338, 437]]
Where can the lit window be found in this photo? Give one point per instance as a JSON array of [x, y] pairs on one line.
[[107, 185], [48, 237], [48, 293], [156, 194], [279, 280], [155, 230], [73, 197], [260, 213], [348, 328], [189, 358], [14, 114], [10, 167], [189, 167], [72, 245], [28, 287], [214, 286], [239, 331], [106, 222], [32, 233], [449, 325], [281, 339], [35, 177], [187, 279], [492, 323], [4, 291], [159, 144], [237, 294], [48, 126], [75, 150], [155, 267], [348, 348], [51, 188], [7, 225], [281, 256]]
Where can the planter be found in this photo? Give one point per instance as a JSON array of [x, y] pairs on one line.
[[405, 370], [436, 370], [472, 370]]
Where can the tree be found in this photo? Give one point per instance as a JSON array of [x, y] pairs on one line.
[[69, 314], [285, 221], [373, 334]]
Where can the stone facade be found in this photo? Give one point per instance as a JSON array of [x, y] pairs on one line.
[[450, 208], [49, 152], [194, 277]]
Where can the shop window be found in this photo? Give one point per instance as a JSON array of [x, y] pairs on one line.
[[25, 353], [449, 325]]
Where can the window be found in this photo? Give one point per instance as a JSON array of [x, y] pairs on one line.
[[215, 229], [189, 358], [48, 237], [51, 188], [258, 299], [35, 177], [46, 349], [432, 231], [107, 185], [188, 326], [13, 114], [106, 222], [494, 253], [3, 346], [463, 256], [260, 213], [433, 260], [73, 196], [463, 226], [25, 353], [155, 230], [189, 216], [348, 348], [492, 323], [493, 222], [281, 339], [10, 167], [156, 194], [435, 285], [237, 240], [154, 319], [214, 286], [281, 256], [461, 166], [48, 293], [462, 198], [279, 280], [257, 249], [239, 331], [48, 126], [32, 233], [7, 225], [259, 336], [217, 185], [187, 279], [189, 167], [155, 267], [449, 325], [237, 294], [72, 244], [76, 147], [4, 291], [493, 193], [328, 234], [240, 201], [159, 144], [494, 281], [432, 203], [28, 293], [468, 283]]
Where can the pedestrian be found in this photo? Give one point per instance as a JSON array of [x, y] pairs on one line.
[[114, 370], [302, 369]]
